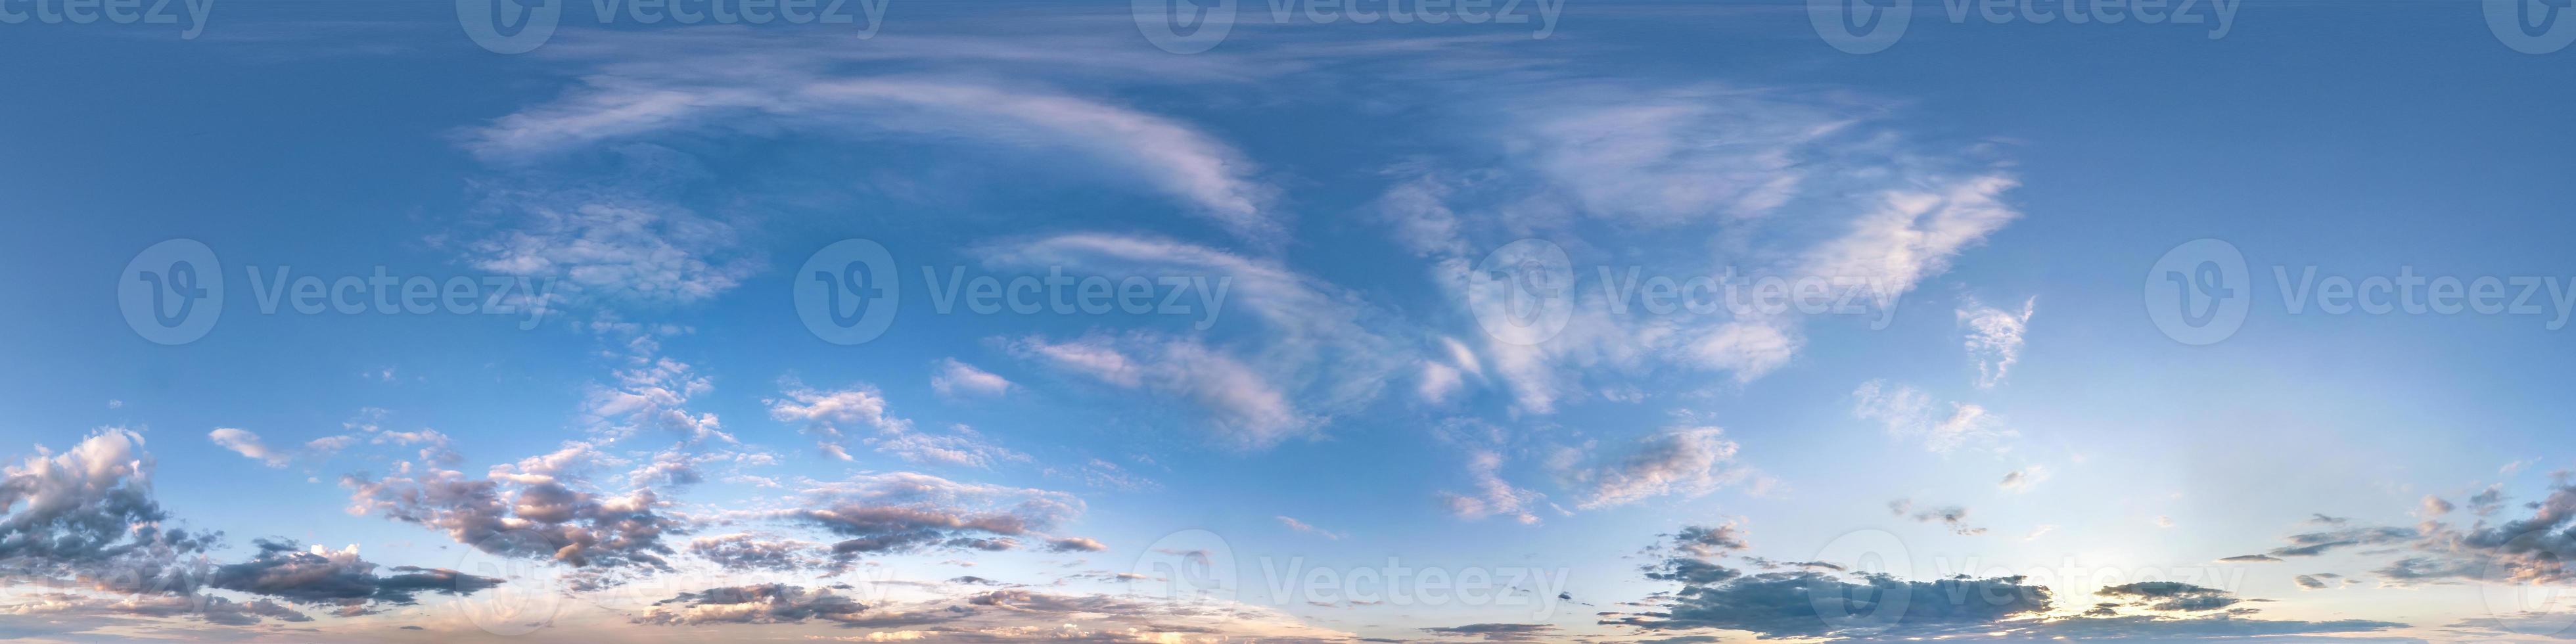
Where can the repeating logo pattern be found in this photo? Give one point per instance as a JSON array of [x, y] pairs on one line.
[[2199, 292], [172, 292], [848, 292]]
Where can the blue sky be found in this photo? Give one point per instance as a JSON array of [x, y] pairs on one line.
[[628, 428]]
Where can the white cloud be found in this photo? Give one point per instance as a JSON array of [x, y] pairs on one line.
[[958, 378], [1909, 414], [1303, 527], [1250, 412], [1994, 338], [1704, 180], [248, 445], [1439, 381], [1493, 496], [763, 94], [829, 414]]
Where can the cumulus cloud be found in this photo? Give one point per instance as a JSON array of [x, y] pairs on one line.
[[905, 512], [1822, 600], [87, 506], [320, 576], [757, 604], [525, 515], [744, 551]]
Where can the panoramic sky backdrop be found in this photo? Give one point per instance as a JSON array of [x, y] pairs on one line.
[[1292, 321]]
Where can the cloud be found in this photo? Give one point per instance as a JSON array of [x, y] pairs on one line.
[[610, 249], [1685, 461], [958, 378], [1493, 496], [1951, 516], [1821, 601], [1995, 338], [1701, 179], [1499, 632], [248, 445], [2022, 480], [782, 91], [1909, 414], [827, 414], [88, 507], [1302, 528], [283, 570], [905, 512], [2169, 596], [524, 514], [1279, 353], [744, 551], [756, 604], [1250, 411]]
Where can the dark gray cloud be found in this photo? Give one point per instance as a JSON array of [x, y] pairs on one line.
[[904, 512], [78, 511], [1500, 632], [747, 551], [1822, 602], [2170, 596], [755, 604], [284, 570], [1951, 516], [527, 515]]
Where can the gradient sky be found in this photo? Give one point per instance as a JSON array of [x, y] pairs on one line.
[[657, 447]]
